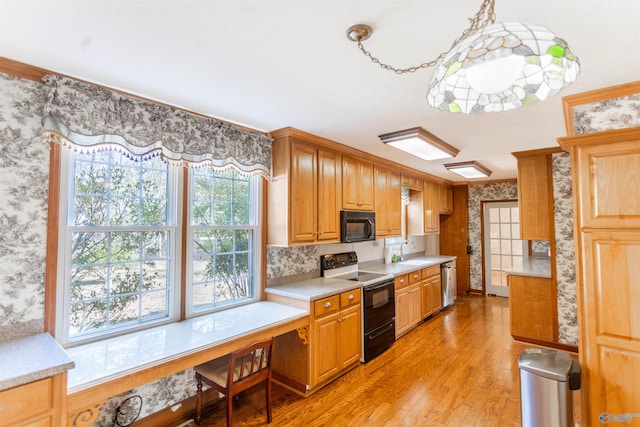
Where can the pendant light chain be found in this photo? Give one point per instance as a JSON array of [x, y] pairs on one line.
[[485, 16]]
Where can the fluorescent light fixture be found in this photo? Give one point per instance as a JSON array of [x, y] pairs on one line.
[[420, 143], [469, 170]]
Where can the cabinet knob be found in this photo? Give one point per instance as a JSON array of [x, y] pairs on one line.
[[351, 296], [401, 280], [327, 304]]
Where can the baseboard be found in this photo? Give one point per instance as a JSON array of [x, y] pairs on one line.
[[167, 417]]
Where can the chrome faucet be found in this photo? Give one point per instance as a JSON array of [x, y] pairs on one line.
[[406, 242]]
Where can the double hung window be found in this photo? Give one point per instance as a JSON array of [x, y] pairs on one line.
[[129, 236]]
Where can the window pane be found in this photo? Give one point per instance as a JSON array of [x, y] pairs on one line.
[[505, 246], [110, 189], [505, 215], [222, 263], [118, 277], [494, 215]]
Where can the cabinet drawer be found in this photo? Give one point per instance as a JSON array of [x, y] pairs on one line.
[[402, 281], [430, 271], [414, 277], [327, 305], [26, 401], [350, 297]]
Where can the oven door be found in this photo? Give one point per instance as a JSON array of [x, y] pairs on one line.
[[375, 342], [379, 305]]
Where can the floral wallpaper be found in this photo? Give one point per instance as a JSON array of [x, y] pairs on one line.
[[294, 261], [608, 114], [565, 249], [477, 194], [24, 171]]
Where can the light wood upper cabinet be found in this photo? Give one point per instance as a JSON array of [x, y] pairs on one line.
[[357, 184], [431, 208], [303, 193], [388, 203], [535, 194], [412, 182], [606, 188], [445, 193]]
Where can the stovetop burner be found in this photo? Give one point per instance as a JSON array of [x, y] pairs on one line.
[[345, 266]]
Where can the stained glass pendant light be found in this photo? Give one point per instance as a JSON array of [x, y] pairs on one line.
[[502, 67], [492, 66]]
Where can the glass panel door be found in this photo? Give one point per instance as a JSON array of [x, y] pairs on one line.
[[503, 250]]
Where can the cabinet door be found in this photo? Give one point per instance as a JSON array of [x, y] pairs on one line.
[[446, 198], [381, 196], [326, 359], [611, 324], [303, 193], [532, 307], [431, 208], [535, 197], [408, 309], [365, 186], [357, 184], [394, 197], [328, 209], [612, 166], [350, 336], [431, 296]]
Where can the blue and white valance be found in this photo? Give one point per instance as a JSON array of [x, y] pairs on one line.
[[86, 117]]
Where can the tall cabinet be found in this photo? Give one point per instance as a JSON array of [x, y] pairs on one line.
[[606, 185]]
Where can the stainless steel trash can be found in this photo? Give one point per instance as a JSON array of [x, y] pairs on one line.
[[546, 380]]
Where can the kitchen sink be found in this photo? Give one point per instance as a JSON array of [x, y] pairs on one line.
[[412, 262]]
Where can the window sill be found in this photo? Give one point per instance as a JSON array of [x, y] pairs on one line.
[[104, 361]]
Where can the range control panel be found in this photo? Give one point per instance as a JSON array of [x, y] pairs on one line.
[[329, 262]]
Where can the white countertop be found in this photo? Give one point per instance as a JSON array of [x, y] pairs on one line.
[[320, 287], [32, 358], [115, 357], [409, 265], [313, 289], [534, 267]]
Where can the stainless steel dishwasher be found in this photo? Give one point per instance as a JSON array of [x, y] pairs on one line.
[[448, 280]]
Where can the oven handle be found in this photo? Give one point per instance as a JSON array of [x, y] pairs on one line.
[[389, 326], [374, 287]]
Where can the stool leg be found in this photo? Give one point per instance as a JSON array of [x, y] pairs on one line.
[[199, 400], [268, 393], [229, 410]]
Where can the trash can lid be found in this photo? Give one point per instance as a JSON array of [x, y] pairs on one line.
[[547, 363]]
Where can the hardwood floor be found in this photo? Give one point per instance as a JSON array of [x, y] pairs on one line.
[[457, 369]]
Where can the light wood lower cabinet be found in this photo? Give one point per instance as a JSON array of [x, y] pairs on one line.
[[306, 360], [533, 311], [41, 403], [408, 302], [431, 291], [418, 296]]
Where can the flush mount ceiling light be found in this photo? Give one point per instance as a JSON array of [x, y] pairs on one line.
[[492, 67], [469, 170], [420, 143]]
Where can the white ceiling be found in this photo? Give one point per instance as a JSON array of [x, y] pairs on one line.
[[269, 64]]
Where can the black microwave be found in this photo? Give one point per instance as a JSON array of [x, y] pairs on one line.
[[357, 226]]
